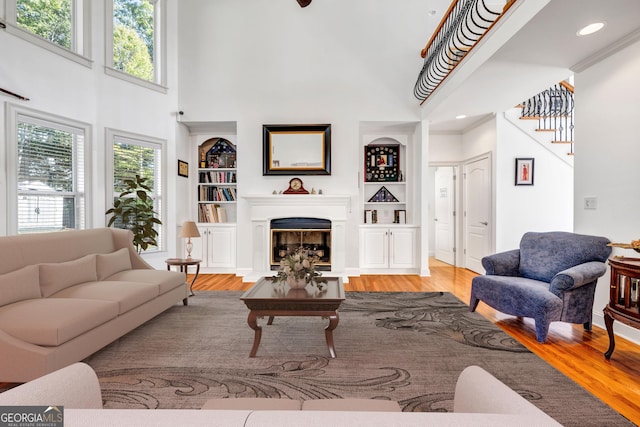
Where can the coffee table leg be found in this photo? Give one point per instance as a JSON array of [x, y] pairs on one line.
[[328, 333], [253, 324]]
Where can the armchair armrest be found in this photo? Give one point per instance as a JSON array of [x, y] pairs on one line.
[[503, 263], [577, 276]]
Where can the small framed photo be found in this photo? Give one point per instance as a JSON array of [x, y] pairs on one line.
[[183, 168], [524, 171]]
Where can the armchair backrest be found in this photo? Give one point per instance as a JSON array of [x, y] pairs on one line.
[[542, 255]]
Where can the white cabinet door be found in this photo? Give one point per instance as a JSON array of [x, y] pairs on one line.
[[383, 249], [221, 247], [402, 247], [374, 248], [216, 247]]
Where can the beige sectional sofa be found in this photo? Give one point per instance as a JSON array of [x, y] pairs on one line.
[[479, 400], [67, 294]]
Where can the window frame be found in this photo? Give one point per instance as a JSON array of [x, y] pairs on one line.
[[115, 135], [14, 114], [80, 51], [160, 48]]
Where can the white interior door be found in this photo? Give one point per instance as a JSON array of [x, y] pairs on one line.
[[444, 210], [477, 215]]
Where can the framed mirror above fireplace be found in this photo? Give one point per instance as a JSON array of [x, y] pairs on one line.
[[296, 149]]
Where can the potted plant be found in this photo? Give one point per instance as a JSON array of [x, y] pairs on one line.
[[133, 210], [298, 269]]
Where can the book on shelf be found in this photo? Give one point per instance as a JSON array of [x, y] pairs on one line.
[[210, 212], [217, 177], [400, 216], [216, 194], [370, 216]]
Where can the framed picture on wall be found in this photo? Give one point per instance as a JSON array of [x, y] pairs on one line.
[[524, 171], [183, 168]]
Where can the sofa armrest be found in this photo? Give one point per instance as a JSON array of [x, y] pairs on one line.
[[577, 276], [75, 387], [124, 239], [502, 263], [477, 391]]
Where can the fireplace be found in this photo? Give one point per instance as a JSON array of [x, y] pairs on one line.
[[311, 234], [265, 208]]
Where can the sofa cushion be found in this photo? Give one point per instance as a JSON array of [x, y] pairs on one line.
[[128, 295], [56, 276], [165, 280], [110, 264], [20, 285], [54, 321]]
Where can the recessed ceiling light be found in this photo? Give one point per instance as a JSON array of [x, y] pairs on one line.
[[590, 29], [461, 116]]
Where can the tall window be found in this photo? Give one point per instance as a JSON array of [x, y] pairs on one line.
[[61, 26], [134, 155], [50, 19], [50, 175], [136, 35]]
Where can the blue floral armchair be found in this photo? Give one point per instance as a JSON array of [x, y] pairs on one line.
[[552, 277]]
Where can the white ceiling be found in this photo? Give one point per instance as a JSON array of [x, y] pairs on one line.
[[542, 52]]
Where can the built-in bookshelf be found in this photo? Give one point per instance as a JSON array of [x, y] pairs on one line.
[[389, 239], [384, 184], [217, 181]]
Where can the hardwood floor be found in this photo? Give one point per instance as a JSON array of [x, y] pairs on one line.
[[571, 350]]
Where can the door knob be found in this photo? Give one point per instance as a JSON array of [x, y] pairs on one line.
[[484, 223]]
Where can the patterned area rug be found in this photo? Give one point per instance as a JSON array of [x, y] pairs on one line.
[[407, 347]]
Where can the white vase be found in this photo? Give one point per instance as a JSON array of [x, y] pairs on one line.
[[295, 283]]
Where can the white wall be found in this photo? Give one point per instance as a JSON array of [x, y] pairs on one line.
[[606, 160], [293, 67], [547, 205], [60, 86]]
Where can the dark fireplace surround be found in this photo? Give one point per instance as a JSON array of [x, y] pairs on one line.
[[313, 234]]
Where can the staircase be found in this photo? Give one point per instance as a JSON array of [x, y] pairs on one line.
[[553, 109]]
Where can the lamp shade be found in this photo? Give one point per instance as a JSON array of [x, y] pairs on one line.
[[189, 229]]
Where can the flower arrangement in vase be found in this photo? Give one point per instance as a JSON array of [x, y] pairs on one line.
[[298, 269]]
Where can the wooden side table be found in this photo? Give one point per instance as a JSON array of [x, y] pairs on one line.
[[184, 264], [624, 297]]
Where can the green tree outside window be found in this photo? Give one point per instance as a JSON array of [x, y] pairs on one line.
[[49, 19], [133, 36]]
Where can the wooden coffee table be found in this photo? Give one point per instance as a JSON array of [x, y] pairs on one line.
[[266, 299]]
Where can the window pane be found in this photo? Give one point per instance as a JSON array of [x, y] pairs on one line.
[[50, 19], [131, 158], [133, 37], [50, 180]]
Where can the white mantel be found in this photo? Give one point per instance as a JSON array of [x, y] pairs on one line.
[[264, 208]]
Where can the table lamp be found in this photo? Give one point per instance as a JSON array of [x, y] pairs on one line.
[[189, 230]]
